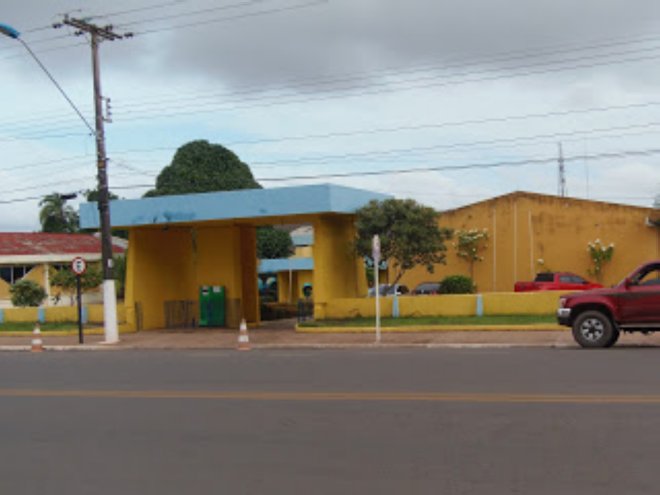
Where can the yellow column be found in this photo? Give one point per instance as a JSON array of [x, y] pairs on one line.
[[338, 272]]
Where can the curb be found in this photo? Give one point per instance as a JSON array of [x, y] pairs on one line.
[[541, 327], [301, 346], [79, 348]]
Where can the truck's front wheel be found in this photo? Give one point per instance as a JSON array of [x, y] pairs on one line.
[[594, 329]]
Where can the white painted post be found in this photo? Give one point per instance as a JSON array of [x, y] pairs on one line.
[[376, 258], [110, 312]]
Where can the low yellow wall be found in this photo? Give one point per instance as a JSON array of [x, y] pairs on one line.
[[21, 314], [449, 305], [504, 303], [61, 314], [95, 313], [525, 303], [356, 307]]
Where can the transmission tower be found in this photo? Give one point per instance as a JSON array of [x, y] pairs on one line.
[[561, 186]]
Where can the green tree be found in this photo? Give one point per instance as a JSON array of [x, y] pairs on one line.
[[409, 234], [273, 243], [27, 293], [200, 166], [93, 195], [65, 279], [56, 216], [457, 284]]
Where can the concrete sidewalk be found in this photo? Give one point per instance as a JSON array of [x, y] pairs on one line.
[[283, 335]]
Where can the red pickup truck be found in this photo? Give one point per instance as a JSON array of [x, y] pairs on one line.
[[598, 316], [556, 281]]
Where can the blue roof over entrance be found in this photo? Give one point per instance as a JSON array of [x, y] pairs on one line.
[[229, 205], [286, 264]]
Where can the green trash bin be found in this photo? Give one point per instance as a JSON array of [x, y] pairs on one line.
[[211, 306]]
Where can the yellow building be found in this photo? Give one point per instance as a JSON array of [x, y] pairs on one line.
[[33, 256], [529, 233]]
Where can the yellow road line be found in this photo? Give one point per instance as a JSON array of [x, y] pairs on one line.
[[337, 396]]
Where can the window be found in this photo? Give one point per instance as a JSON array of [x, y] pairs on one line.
[[12, 274], [651, 277]]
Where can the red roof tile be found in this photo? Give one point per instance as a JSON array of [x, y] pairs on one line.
[[36, 243]]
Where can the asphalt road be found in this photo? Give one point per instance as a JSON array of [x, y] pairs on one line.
[[503, 421]]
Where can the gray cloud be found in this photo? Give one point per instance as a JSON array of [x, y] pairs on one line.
[[337, 37], [348, 37]]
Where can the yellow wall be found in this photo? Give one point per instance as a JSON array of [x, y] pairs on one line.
[[61, 314], [303, 252], [95, 313], [525, 227], [527, 303], [298, 279], [159, 269], [21, 314], [532, 303], [37, 274], [338, 272], [170, 264]]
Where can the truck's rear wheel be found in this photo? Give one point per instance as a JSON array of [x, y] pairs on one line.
[[594, 329]]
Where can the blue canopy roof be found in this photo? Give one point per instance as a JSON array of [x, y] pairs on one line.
[[229, 205], [286, 264]]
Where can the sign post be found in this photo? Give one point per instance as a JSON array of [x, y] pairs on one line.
[[376, 256], [79, 266]]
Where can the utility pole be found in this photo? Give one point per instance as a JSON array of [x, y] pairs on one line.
[[561, 189], [98, 34]]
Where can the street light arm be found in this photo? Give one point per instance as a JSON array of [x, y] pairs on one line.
[[14, 34], [9, 31]]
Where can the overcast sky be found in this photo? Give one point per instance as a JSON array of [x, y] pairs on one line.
[[458, 101]]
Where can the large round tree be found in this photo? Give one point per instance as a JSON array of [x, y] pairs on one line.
[[200, 166]]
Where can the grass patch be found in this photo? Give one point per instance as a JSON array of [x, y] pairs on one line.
[[45, 327], [436, 320]]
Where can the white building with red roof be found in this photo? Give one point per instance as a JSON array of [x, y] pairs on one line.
[[32, 255]]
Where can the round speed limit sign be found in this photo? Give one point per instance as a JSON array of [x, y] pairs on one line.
[[78, 265]]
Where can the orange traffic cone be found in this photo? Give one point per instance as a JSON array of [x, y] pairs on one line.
[[243, 339], [37, 344]]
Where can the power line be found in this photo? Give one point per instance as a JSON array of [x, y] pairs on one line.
[[135, 10], [314, 3], [436, 125], [324, 159], [316, 83], [387, 85], [469, 166], [319, 159], [267, 102], [537, 161], [315, 160], [230, 6]]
